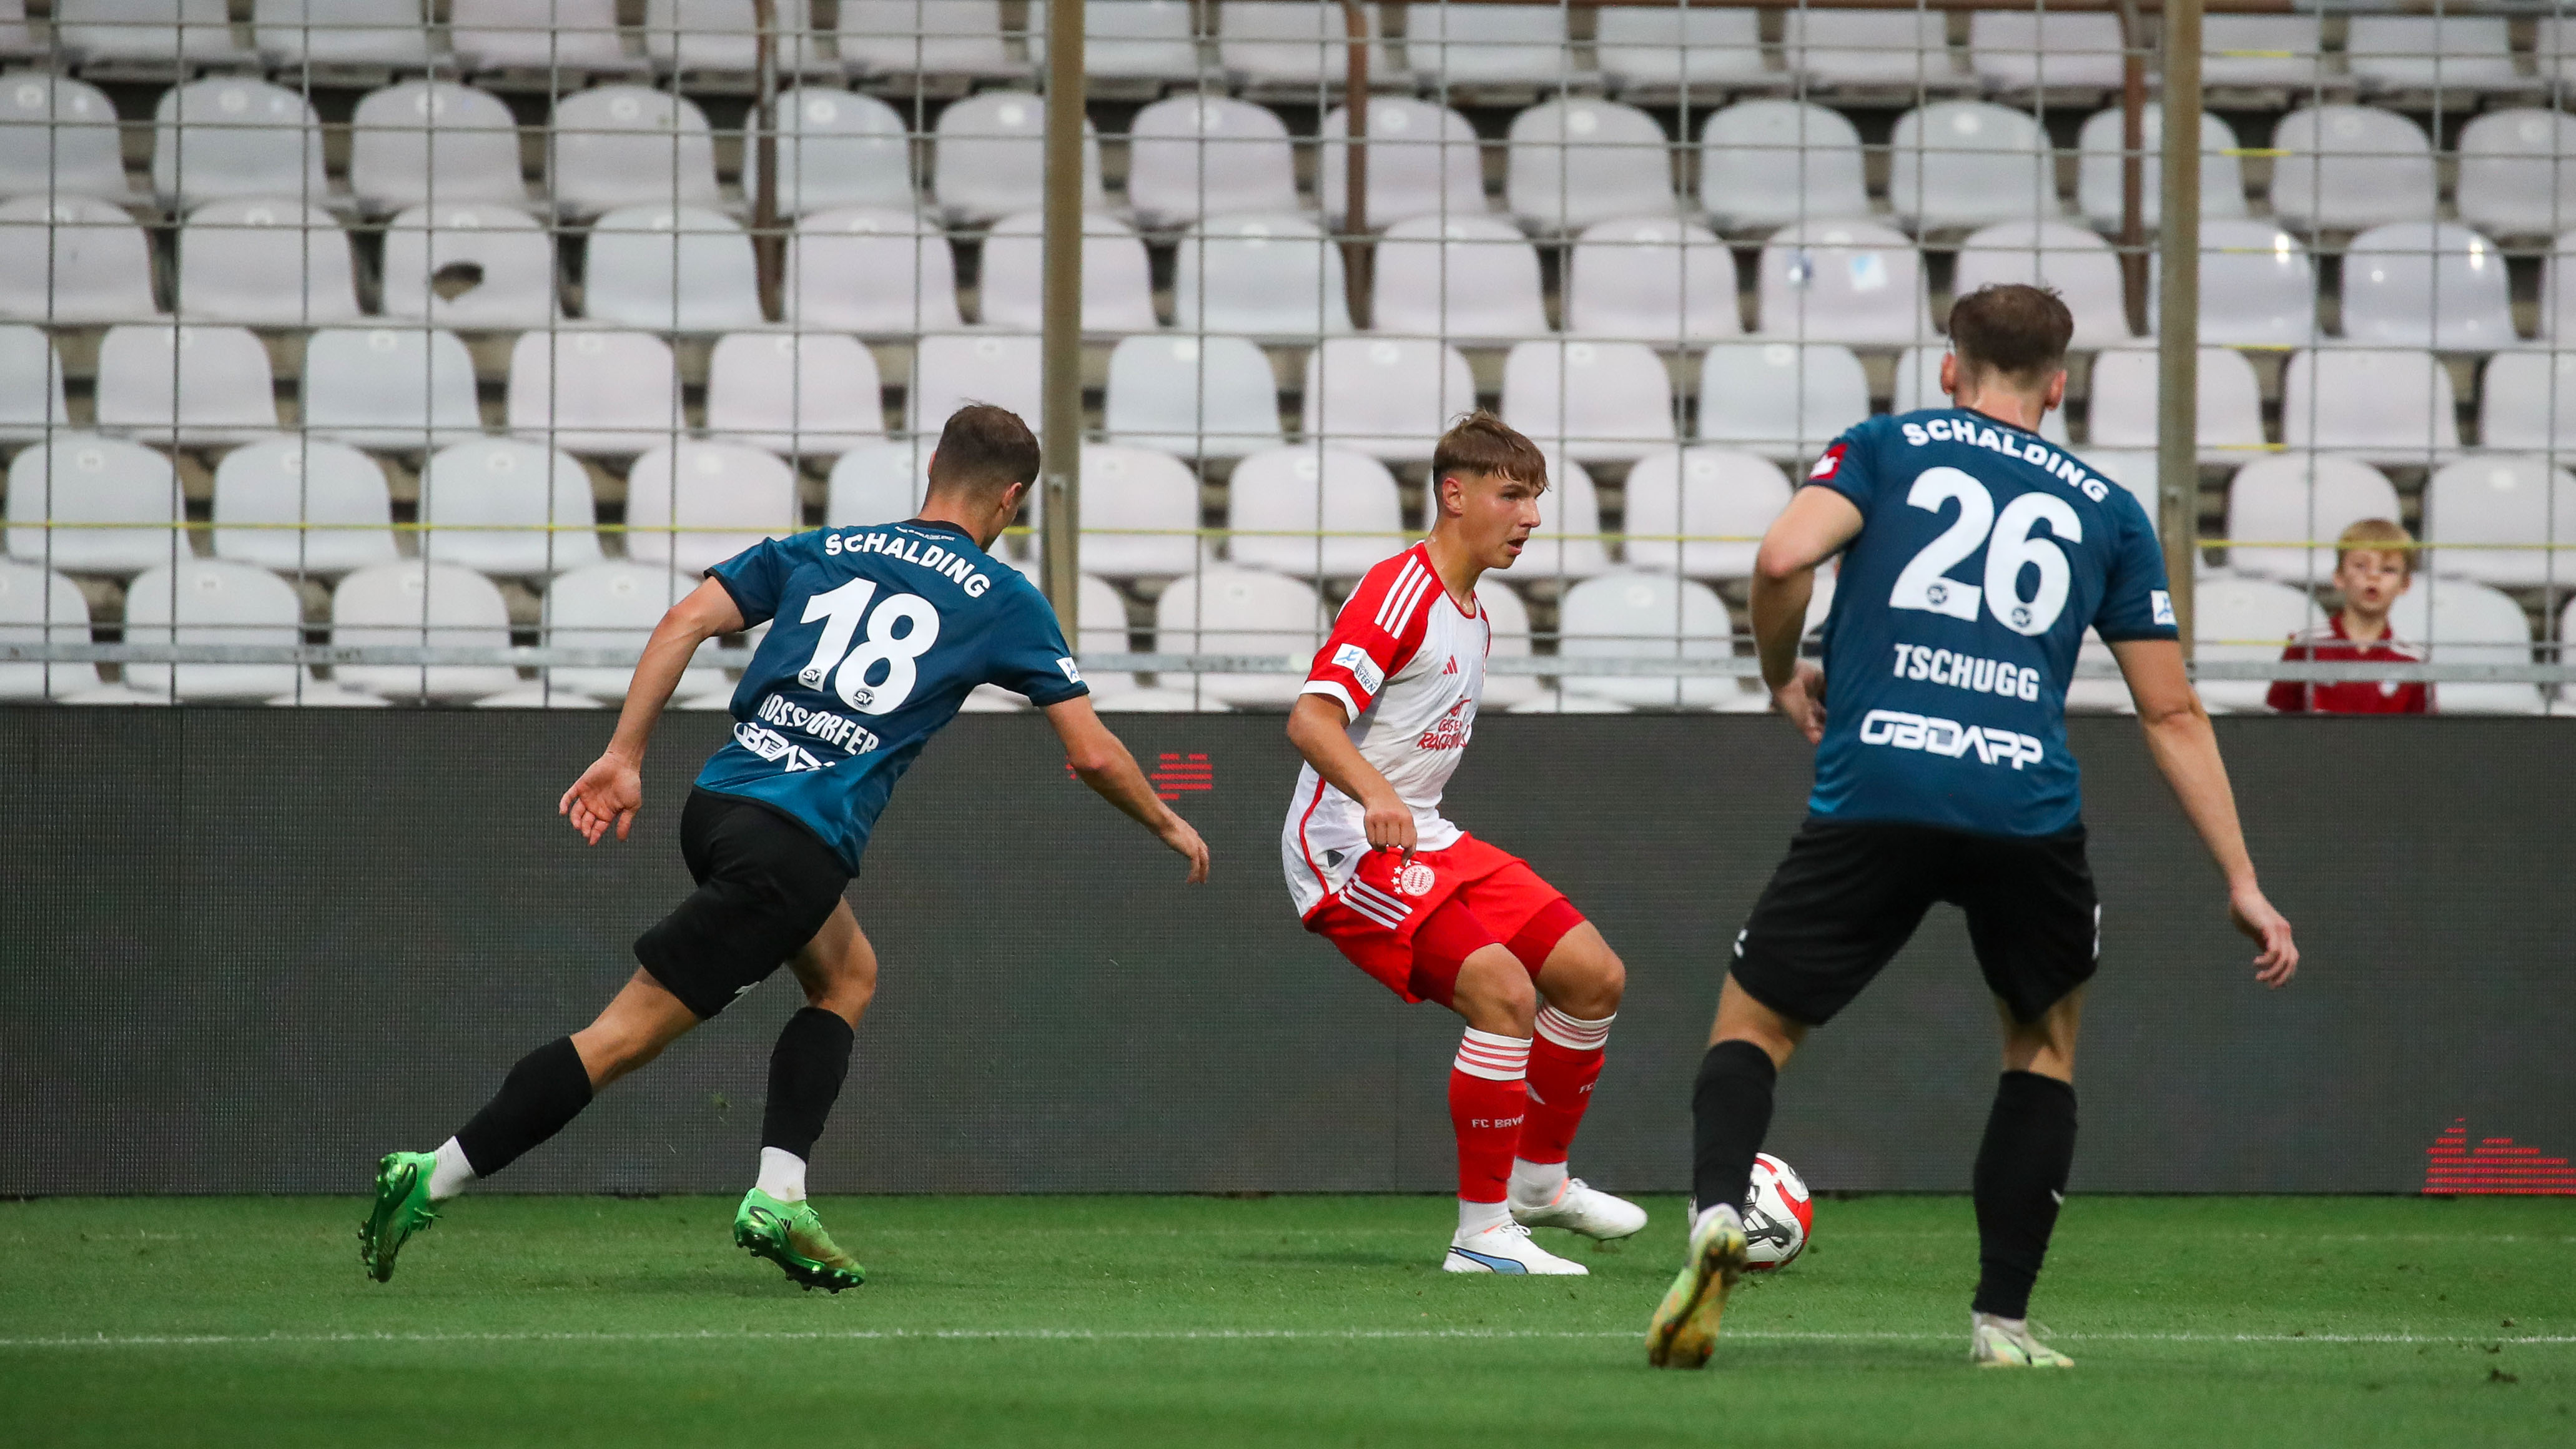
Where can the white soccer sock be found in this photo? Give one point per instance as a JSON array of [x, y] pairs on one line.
[[1476, 1217], [1537, 1184], [451, 1174], [782, 1174]]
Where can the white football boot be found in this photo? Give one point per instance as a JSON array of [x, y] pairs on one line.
[[2006, 1343], [1506, 1248], [1584, 1209]]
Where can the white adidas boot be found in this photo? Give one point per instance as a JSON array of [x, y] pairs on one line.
[[1506, 1248]]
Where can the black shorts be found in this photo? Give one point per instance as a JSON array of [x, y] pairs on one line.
[[766, 885], [1851, 893]]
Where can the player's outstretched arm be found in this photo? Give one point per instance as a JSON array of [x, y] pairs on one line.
[[1102, 760], [612, 789], [1320, 730], [2186, 750], [1813, 528]]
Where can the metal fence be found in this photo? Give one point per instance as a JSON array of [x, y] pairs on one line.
[[356, 351]]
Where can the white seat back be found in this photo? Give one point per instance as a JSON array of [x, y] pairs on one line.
[[341, 32], [609, 393], [185, 387], [1117, 280], [671, 269], [32, 404], [881, 482], [1649, 616], [302, 506], [1662, 281], [77, 479], [837, 148], [2080, 265], [1918, 385], [1346, 499], [809, 394], [1894, 47], [231, 136], [2456, 621], [692, 504], [2124, 394], [434, 142], [506, 507], [1772, 162], [2262, 50], [2462, 54], [389, 388], [2239, 620], [1195, 156], [2478, 510], [1594, 401], [574, 35], [1779, 399], [471, 267], [2387, 405], [1466, 276], [614, 605], [39, 606], [2527, 400], [1455, 43], [926, 37], [2022, 51], [2097, 176], [271, 263], [1388, 397], [1227, 610], [1129, 40], [146, 30], [2418, 284], [724, 35], [2273, 502], [948, 372], [1711, 506], [2513, 165], [2258, 286], [1844, 281], [1968, 163], [990, 158], [73, 260], [1653, 48], [1199, 397], [2349, 167], [1262, 276], [1292, 43], [1423, 160], [1574, 162], [58, 137], [879, 273], [1140, 512], [629, 146], [423, 605], [1567, 542], [207, 602]]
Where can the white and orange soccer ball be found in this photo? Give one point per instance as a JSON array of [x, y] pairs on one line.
[[1778, 1215]]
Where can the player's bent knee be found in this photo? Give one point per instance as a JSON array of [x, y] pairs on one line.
[[1585, 983], [1494, 993]]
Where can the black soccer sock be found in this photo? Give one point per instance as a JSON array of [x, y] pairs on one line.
[[2021, 1181], [805, 1073], [1730, 1111], [547, 1089]]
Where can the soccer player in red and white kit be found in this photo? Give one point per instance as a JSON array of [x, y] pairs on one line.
[[1431, 911]]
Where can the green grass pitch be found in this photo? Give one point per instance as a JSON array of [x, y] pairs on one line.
[[1283, 1321]]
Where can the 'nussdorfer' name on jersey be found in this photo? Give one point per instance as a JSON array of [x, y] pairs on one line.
[[1984, 555]]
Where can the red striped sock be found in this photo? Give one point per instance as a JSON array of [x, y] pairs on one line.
[[1564, 1061], [1487, 1102]]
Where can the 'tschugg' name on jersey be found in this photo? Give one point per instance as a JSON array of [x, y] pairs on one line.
[[1984, 554], [876, 637]]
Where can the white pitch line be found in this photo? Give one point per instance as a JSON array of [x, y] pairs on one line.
[[1210, 1335]]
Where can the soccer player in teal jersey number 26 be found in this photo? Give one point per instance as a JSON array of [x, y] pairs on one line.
[[877, 634], [1974, 556]]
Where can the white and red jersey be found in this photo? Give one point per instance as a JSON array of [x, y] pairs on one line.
[[1408, 665]]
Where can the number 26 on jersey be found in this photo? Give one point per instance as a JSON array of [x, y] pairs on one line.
[[2011, 546]]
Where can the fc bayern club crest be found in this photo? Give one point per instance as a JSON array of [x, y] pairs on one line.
[[1414, 880]]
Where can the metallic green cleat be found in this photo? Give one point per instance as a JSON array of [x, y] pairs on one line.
[[402, 1208], [2008, 1343], [790, 1235], [1684, 1330]]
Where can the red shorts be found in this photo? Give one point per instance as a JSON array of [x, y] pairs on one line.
[[1412, 926]]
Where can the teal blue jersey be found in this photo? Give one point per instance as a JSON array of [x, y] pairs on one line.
[[876, 636], [1984, 554]]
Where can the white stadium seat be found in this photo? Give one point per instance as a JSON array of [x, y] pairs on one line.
[[1702, 494], [203, 601], [614, 393], [1567, 542], [1140, 512], [2386, 405], [573, 35], [2279, 51], [302, 507], [2456, 621], [1275, 495], [294, 33], [1455, 43], [1227, 610], [990, 158], [1390, 398], [470, 267], [2133, 469], [2513, 167], [101, 481], [1869, 48], [809, 395], [2258, 287], [58, 137], [2347, 167], [1655, 48], [1852, 282], [879, 273], [629, 145], [1968, 163], [1117, 279], [389, 388], [1656, 280], [926, 37], [39, 606], [2238, 620], [2080, 265], [1292, 43], [2527, 402], [1100, 627], [1918, 385], [2417, 284], [1507, 623], [837, 148], [1423, 160], [1772, 162], [422, 605], [2462, 54], [1598, 402], [268, 263], [2493, 519], [2022, 51], [1651, 616], [74, 260], [1197, 156], [614, 605], [2124, 391], [185, 387], [692, 504], [1577, 161], [666, 269], [2277, 501], [506, 507], [235, 137], [1261, 276], [1199, 397], [197, 32], [881, 482], [434, 142], [2097, 176], [1465, 276], [951, 371], [1143, 40], [724, 35], [32, 404], [1779, 399]]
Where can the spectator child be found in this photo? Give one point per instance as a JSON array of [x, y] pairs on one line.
[[2374, 563]]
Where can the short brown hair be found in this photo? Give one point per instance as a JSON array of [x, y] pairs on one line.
[[983, 450], [2377, 535], [1483, 443], [2012, 327]]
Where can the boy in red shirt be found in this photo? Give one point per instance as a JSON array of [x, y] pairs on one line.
[[2374, 563]]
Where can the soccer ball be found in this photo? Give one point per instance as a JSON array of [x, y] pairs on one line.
[[1777, 1215]]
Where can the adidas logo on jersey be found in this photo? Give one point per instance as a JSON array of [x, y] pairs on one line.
[[1948, 737], [1452, 666]]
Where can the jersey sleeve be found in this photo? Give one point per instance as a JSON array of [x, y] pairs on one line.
[[757, 578], [1375, 635], [2135, 601], [1028, 655], [1849, 467]]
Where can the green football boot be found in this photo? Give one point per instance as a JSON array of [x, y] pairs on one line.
[[402, 1208], [1684, 1330], [790, 1235]]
